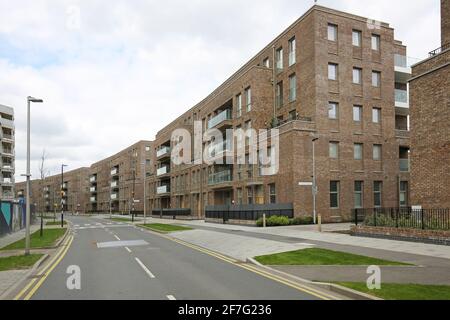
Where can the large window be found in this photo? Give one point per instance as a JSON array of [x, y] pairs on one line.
[[377, 152], [357, 75], [356, 38], [334, 150], [239, 105], [376, 79], [292, 88], [332, 71], [377, 194], [272, 193], [358, 194], [357, 113], [248, 97], [358, 151], [375, 42], [279, 59], [333, 110], [332, 32], [334, 194], [292, 51]]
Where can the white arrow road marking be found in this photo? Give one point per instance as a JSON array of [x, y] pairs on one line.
[[145, 268]]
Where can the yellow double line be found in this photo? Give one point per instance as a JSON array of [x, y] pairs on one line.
[[306, 289], [45, 272]]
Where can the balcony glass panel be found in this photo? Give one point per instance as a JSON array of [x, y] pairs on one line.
[[223, 116], [220, 177], [401, 96], [162, 151]]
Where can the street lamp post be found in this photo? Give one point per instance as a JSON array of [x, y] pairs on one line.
[[62, 194], [28, 175], [314, 186]]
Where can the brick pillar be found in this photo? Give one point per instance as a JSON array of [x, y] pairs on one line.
[[445, 22]]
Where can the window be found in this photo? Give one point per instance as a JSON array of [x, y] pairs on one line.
[[292, 88], [292, 51], [375, 42], [357, 36], [333, 110], [272, 193], [239, 196], [248, 97], [376, 115], [249, 195], [266, 63], [279, 97], [334, 150], [357, 113], [377, 191], [358, 151], [357, 75], [334, 194], [376, 79], [332, 71], [279, 59], [403, 193], [239, 105], [332, 32], [358, 195], [147, 148], [292, 115], [377, 152]]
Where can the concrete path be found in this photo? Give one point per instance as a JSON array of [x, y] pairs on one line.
[[9, 278], [11, 238]]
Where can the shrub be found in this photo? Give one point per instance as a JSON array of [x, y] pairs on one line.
[[274, 221], [302, 221]]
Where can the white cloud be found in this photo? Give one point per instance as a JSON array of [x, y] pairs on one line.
[[106, 83]]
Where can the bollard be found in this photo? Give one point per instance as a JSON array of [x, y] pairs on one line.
[[319, 219], [264, 220]]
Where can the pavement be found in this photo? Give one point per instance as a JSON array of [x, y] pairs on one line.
[[122, 261], [431, 264], [16, 236]]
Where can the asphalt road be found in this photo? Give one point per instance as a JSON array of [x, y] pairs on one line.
[[159, 270]]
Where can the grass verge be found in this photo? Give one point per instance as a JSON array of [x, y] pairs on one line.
[[47, 240], [322, 257], [19, 262], [121, 219], [164, 228], [54, 223], [392, 291]]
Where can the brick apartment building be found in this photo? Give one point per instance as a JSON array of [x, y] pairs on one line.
[[430, 114], [338, 77], [7, 153], [113, 180], [107, 182]]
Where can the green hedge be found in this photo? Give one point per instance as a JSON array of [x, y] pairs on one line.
[[278, 221]]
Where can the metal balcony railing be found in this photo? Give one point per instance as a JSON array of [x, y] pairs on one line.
[[221, 117], [220, 177], [163, 170], [163, 151], [114, 171], [401, 96], [93, 179], [437, 51], [163, 189]]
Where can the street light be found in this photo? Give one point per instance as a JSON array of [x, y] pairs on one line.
[[314, 186], [28, 175], [62, 194]]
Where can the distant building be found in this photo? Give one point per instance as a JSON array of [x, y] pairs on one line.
[[7, 160], [430, 123]]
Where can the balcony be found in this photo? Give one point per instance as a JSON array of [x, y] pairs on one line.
[[404, 165], [93, 189], [7, 123], [114, 196], [93, 179], [163, 190], [221, 118], [115, 184], [401, 98], [7, 152], [163, 152], [93, 199], [223, 149], [403, 134], [163, 171], [8, 195], [8, 138], [114, 171], [6, 166], [6, 181], [220, 177], [402, 68]]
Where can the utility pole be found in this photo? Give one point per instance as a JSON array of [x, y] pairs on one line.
[[314, 186]]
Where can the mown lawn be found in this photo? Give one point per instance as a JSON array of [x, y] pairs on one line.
[[121, 219], [165, 228], [322, 257], [54, 223], [391, 291], [47, 240], [19, 262]]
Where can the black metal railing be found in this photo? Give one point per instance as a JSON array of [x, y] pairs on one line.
[[437, 51], [425, 219], [248, 212], [171, 212]]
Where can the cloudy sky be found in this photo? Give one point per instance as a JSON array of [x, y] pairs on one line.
[[115, 72]]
